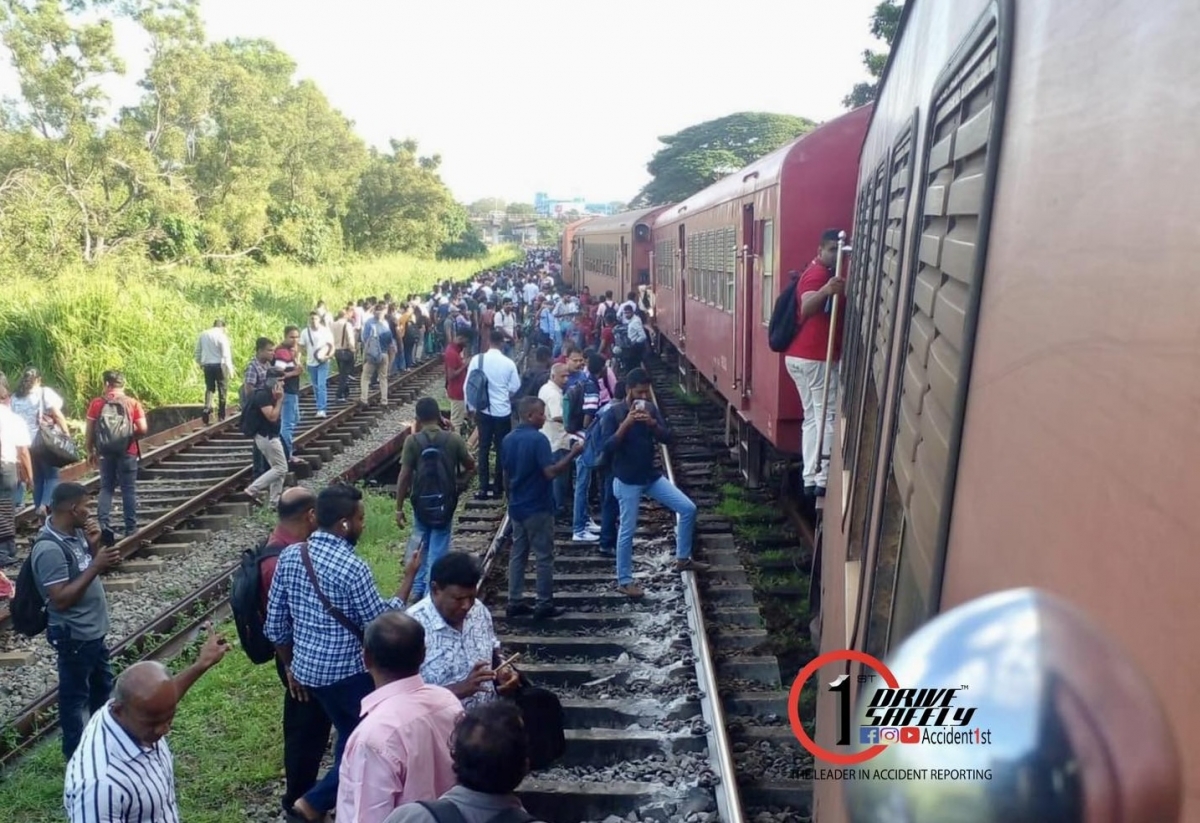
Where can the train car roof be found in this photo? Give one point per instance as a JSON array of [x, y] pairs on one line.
[[625, 221], [763, 172]]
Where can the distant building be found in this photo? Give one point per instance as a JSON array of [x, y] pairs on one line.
[[547, 206]]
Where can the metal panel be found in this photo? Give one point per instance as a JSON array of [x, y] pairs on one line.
[[961, 156]]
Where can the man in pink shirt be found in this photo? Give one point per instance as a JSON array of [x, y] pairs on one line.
[[400, 752]]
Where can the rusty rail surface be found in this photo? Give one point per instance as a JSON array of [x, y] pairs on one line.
[[174, 629]]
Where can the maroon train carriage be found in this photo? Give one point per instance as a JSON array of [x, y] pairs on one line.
[[566, 244], [722, 256], [613, 253]]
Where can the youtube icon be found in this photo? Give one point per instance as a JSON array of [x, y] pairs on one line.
[[910, 734]]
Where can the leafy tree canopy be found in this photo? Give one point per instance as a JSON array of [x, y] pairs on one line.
[[225, 156], [885, 21], [696, 157]]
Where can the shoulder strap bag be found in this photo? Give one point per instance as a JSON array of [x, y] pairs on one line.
[[334, 612]]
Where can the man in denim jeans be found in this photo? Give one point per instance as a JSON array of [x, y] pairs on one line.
[[429, 432], [639, 427], [67, 560], [120, 466]]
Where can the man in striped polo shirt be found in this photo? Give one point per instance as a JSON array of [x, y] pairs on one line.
[[123, 769]]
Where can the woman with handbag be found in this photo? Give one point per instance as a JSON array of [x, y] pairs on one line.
[[40, 407]]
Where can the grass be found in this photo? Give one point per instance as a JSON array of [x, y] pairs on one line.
[[145, 321], [227, 739]]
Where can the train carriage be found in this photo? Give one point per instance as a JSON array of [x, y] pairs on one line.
[[566, 245], [613, 253], [1020, 394], [722, 256]]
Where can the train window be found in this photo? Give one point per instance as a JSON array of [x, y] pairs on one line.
[[939, 317], [731, 255], [768, 270]]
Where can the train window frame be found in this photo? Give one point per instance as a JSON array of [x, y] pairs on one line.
[[859, 287], [996, 22], [766, 234], [872, 242], [731, 263], [883, 385]]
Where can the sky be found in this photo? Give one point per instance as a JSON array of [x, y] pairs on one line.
[[545, 95]]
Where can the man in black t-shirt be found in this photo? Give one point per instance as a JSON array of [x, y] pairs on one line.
[[264, 411]]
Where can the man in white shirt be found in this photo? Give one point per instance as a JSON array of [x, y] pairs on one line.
[[637, 338], [16, 467], [505, 320], [317, 341], [214, 355], [495, 421], [551, 393], [123, 769]]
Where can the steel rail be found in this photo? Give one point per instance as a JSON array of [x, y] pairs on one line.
[[40, 717], [729, 802], [163, 444]]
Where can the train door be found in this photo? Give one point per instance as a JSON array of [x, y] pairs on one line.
[[624, 278], [576, 263], [683, 287], [744, 310]]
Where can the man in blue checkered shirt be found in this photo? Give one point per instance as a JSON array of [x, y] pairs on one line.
[[320, 643]]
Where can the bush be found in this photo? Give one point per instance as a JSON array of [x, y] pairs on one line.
[[145, 321]]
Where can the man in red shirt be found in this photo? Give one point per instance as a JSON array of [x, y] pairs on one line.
[[115, 423], [805, 358], [455, 361], [306, 726]]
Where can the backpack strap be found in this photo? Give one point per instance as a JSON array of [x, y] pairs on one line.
[[443, 811], [334, 612]]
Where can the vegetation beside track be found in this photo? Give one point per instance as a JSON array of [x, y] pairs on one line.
[[145, 321], [228, 737]]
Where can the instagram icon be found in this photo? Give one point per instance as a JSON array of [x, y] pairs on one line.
[[891, 735]]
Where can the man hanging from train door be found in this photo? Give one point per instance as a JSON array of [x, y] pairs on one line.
[[806, 361]]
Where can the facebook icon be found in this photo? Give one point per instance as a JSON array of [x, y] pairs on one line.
[[868, 735]]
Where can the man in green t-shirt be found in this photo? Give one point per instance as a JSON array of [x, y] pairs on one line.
[[435, 466]]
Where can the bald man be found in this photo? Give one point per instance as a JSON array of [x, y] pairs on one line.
[[123, 768], [306, 726], [554, 430], [400, 752]]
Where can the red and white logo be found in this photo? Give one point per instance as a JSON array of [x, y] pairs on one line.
[[910, 734]]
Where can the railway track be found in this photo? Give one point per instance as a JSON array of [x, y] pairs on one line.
[[674, 711], [182, 490]]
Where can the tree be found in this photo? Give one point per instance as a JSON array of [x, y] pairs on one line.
[[519, 210], [696, 157], [397, 196], [885, 20], [486, 206]]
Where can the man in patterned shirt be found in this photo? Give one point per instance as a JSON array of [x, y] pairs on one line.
[[322, 597], [461, 649]]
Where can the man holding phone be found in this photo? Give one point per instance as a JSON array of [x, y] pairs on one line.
[[67, 561], [630, 445], [262, 421]]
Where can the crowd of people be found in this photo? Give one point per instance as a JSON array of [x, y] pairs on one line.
[[415, 686]]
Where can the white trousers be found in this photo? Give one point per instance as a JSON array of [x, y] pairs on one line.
[[809, 376]]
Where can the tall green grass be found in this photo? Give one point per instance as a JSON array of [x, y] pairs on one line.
[[77, 324]]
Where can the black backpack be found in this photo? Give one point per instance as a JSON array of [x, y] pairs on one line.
[[782, 330], [245, 600], [113, 429], [27, 608], [435, 485], [251, 416]]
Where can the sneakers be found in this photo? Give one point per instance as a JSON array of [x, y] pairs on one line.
[[320, 414], [585, 537], [631, 590], [691, 565], [593, 526]]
